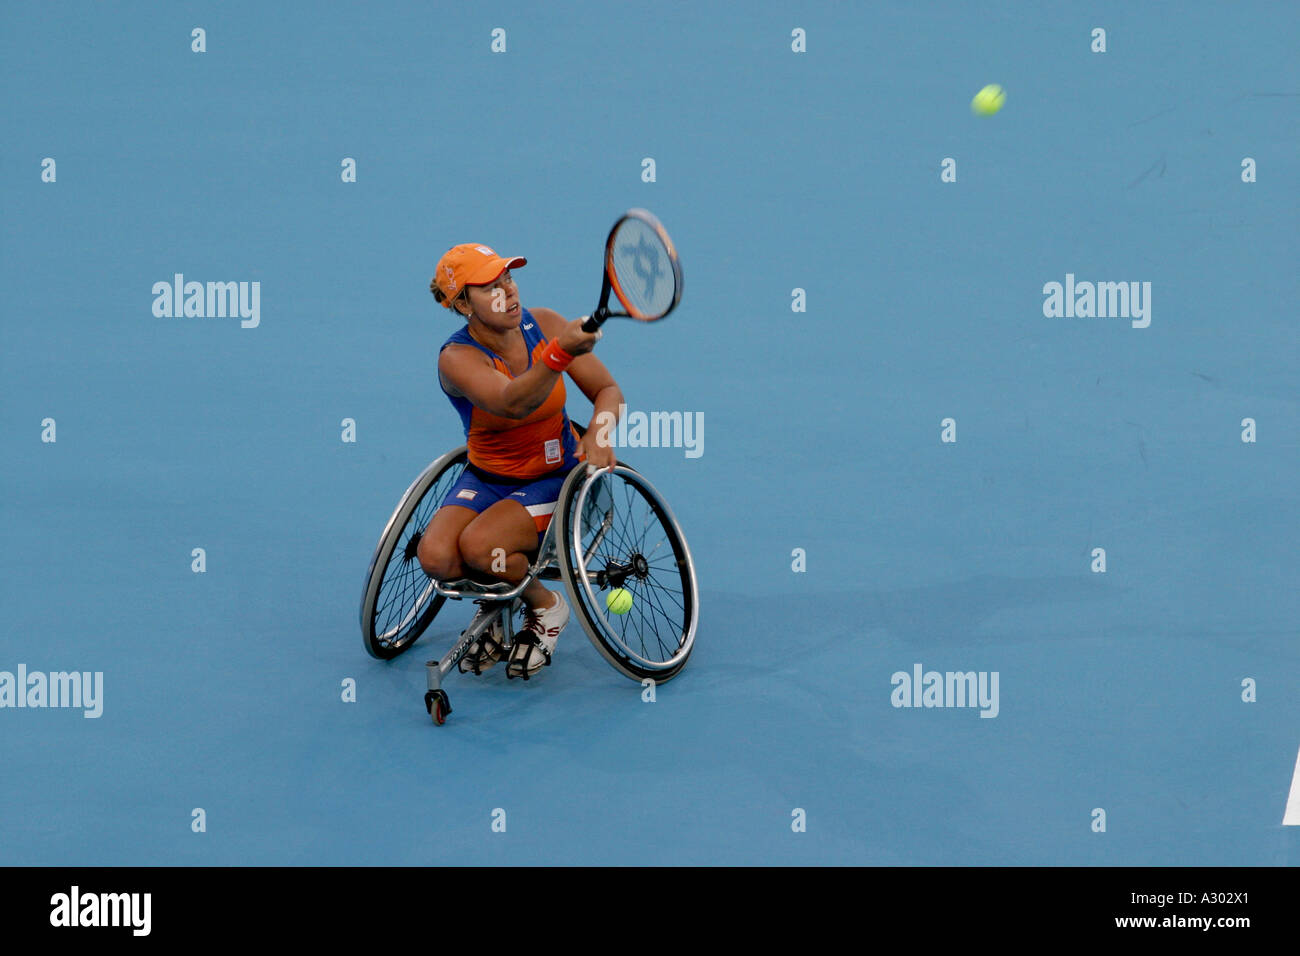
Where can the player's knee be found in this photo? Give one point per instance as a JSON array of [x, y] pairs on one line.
[[478, 550], [440, 559], [471, 545]]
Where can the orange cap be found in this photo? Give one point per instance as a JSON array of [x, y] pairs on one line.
[[470, 263]]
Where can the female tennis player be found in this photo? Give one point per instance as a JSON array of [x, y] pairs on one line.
[[503, 371]]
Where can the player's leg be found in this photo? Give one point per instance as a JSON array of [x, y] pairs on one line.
[[503, 542], [439, 548], [440, 556]]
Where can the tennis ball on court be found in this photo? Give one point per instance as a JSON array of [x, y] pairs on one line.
[[989, 100], [619, 600]]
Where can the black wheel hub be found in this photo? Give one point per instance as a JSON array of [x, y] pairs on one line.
[[616, 573]]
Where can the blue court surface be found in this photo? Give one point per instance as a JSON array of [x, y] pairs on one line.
[[912, 460]]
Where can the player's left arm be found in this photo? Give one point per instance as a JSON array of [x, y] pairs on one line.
[[594, 379]]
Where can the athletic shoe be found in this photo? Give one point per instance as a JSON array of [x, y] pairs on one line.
[[535, 641], [484, 652]]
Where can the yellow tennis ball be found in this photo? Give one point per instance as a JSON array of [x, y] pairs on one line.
[[619, 600], [989, 100]]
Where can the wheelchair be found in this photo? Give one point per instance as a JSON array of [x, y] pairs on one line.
[[610, 529]]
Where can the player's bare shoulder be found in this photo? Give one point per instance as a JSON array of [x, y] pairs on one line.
[[551, 322], [453, 360]]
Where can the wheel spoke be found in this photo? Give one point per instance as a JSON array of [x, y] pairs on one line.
[[643, 540], [405, 599]]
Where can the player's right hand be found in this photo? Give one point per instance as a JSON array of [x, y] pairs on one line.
[[575, 341]]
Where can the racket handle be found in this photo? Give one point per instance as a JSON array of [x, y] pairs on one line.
[[593, 322]]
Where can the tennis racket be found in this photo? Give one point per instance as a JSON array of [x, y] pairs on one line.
[[641, 270]]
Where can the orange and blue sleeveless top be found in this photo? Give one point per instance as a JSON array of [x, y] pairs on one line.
[[530, 447]]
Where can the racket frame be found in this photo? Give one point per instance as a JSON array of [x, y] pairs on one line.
[[608, 281]]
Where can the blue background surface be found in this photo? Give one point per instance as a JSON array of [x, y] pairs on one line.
[[775, 171]]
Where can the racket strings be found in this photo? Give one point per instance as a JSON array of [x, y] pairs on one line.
[[642, 270]]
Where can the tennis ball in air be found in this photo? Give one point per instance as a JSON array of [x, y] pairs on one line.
[[989, 100], [619, 600]]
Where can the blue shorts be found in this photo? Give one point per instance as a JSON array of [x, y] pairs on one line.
[[479, 490]]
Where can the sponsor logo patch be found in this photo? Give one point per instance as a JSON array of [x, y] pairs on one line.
[[467, 493]]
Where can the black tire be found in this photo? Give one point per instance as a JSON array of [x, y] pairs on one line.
[[642, 549], [399, 602]]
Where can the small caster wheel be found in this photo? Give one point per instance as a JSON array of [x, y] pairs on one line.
[[438, 705]]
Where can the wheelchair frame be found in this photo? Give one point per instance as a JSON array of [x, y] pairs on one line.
[[498, 600]]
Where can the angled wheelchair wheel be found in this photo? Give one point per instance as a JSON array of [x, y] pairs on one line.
[[614, 530], [399, 600]]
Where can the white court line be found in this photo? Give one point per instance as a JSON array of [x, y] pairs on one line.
[[1292, 816]]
